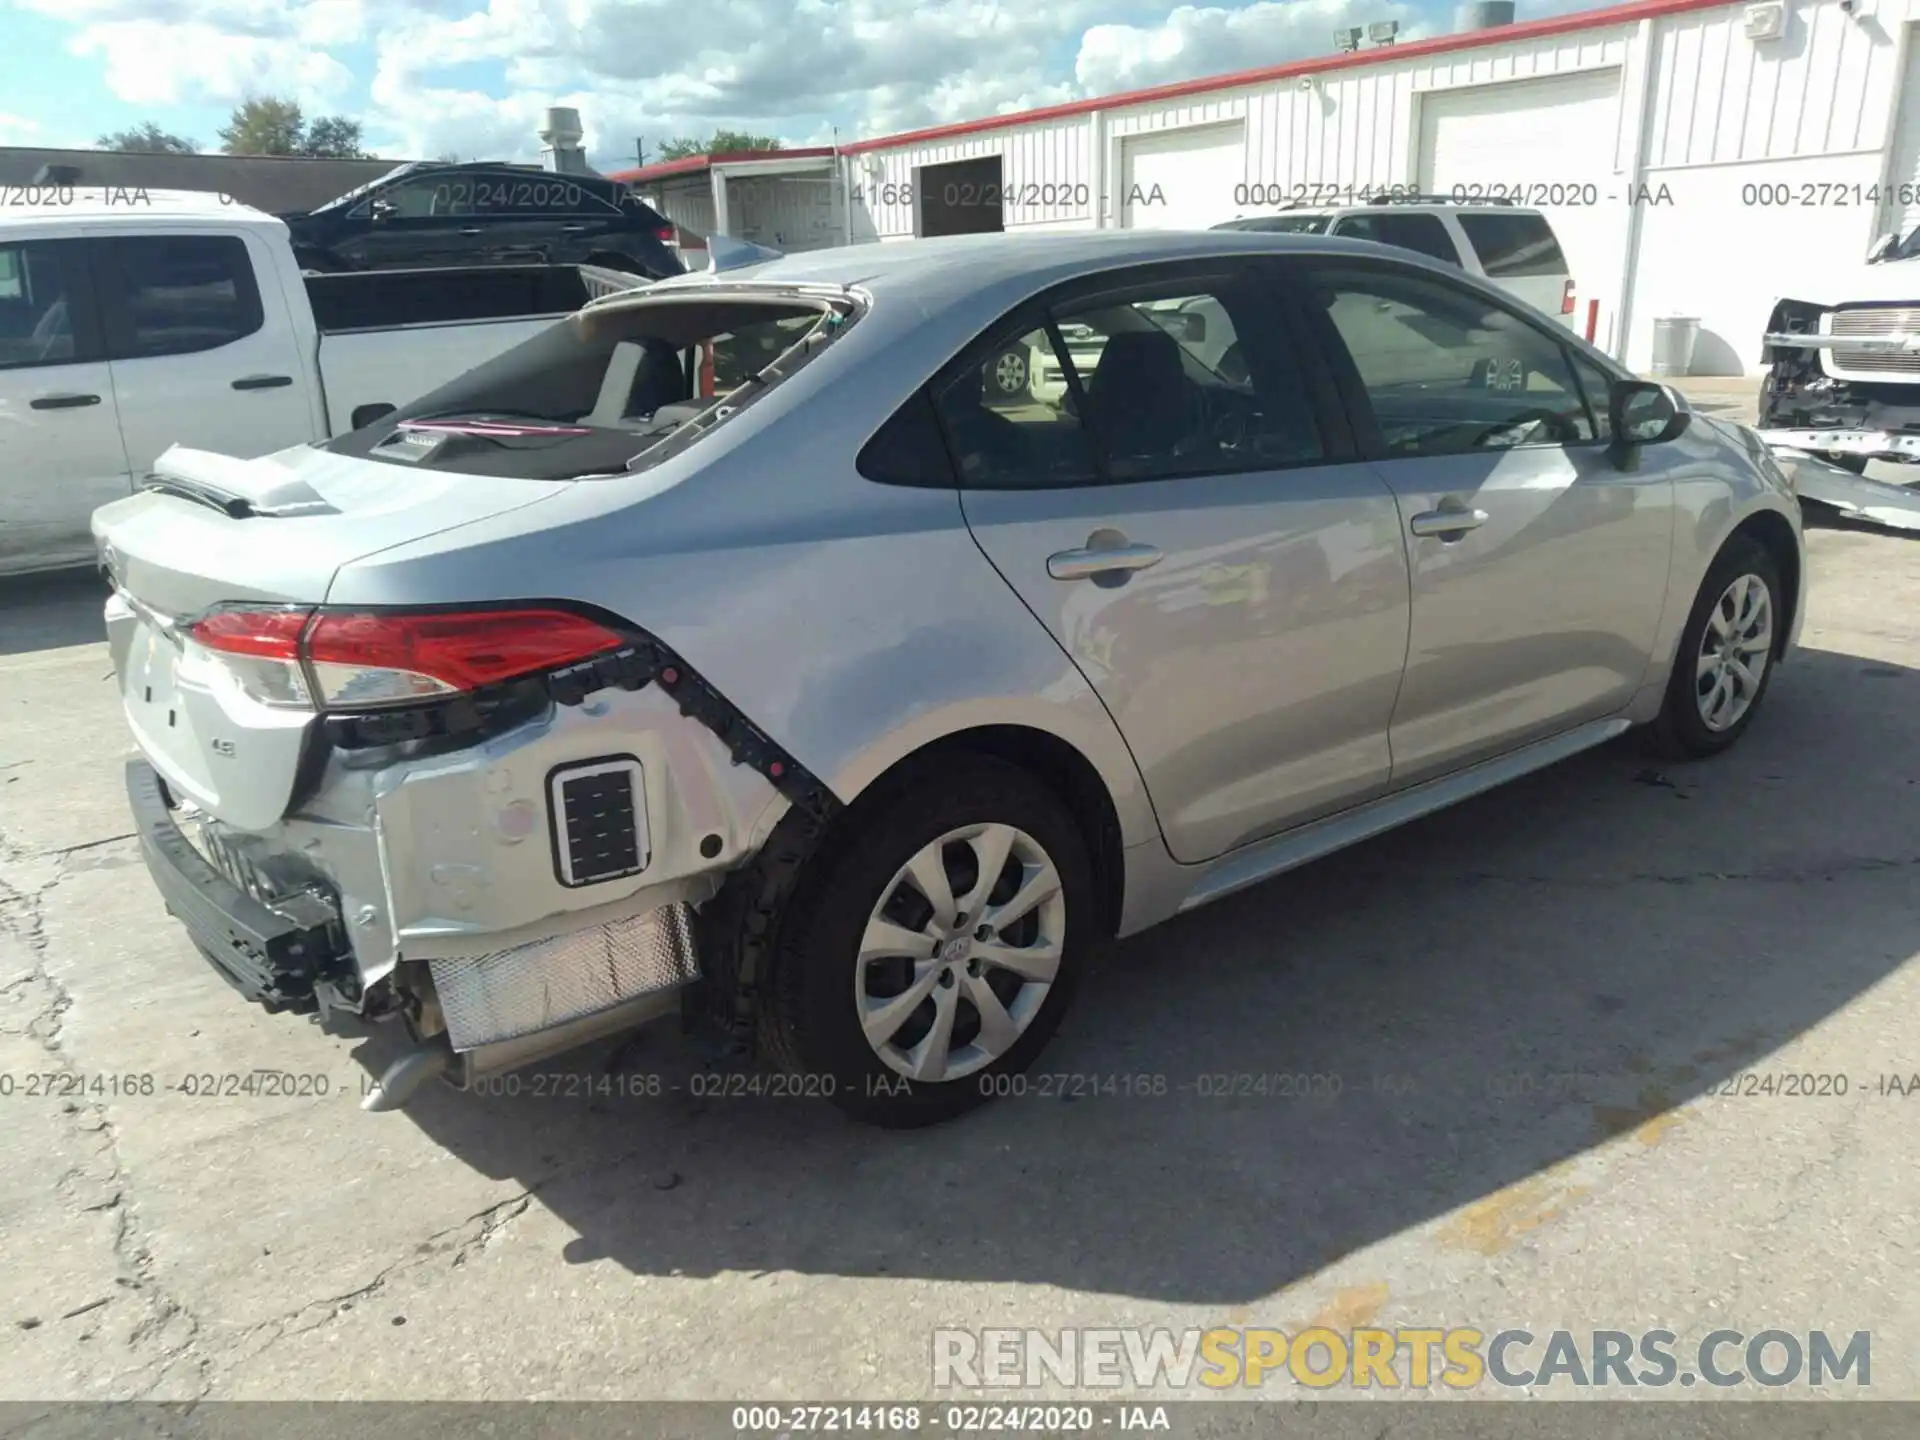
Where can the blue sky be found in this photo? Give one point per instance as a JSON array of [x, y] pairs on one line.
[[474, 77]]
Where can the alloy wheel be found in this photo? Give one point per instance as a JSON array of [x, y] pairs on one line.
[[1735, 650], [960, 952]]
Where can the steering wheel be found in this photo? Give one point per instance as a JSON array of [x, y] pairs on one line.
[[1557, 425]]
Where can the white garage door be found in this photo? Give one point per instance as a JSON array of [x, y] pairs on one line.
[[1903, 208], [1181, 179], [1533, 135]]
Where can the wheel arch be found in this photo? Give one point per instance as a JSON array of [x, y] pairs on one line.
[[1776, 534], [1064, 770]]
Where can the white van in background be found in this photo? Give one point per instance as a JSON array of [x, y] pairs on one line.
[[1511, 245]]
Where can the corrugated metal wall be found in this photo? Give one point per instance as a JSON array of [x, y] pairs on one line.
[[1710, 115]]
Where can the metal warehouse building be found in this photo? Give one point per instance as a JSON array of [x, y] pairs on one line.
[[1697, 159]]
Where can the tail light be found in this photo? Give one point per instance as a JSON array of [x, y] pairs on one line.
[[665, 234], [360, 660], [1566, 298]]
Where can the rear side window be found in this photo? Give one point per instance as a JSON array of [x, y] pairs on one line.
[[1174, 377], [909, 449], [177, 294], [41, 322], [1421, 233], [1510, 246]]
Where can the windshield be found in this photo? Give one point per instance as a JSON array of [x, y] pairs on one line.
[[608, 391], [354, 194]]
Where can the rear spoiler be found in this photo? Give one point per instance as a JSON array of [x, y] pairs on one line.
[[238, 488]]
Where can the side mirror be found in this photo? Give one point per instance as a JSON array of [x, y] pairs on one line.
[[381, 210], [1881, 246], [1645, 413], [365, 415]]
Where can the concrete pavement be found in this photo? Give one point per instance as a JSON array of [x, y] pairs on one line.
[[1531, 1004]]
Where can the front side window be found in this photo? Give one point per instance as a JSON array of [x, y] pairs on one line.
[[1423, 234], [38, 324], [1446, 371], [179, 294], [426, 199], [1152, 383]]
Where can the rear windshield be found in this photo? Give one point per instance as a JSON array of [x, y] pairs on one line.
[[609, 391], [1513, 245], [1281, 224]]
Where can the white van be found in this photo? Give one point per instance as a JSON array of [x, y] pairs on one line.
[[1511, 245]]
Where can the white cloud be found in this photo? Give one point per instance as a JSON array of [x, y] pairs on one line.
[[474, 77], [149, 62], [18, 130]]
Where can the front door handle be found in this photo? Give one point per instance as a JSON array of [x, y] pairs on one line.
[[1087, 563], [63, 402], [475, 230], [262, 382], [1447, 522]]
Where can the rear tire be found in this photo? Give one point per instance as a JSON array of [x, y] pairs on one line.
[[1010, 374], [1725, 659], [958, 991]]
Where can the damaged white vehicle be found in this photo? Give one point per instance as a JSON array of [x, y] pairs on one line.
[[1843, 387], [733, 648]]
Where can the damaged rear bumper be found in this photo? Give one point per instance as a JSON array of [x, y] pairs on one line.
[[474, 1005]]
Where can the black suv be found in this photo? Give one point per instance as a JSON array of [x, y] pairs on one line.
[[428, 214]]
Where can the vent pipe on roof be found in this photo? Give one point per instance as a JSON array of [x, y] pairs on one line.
[[561, 137], [1485, 15]]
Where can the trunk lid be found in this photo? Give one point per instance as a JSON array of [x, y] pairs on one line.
[[210, 529]]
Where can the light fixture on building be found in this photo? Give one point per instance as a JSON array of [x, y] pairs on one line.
[[1381, 32], [1767, 21], [1344, 40]]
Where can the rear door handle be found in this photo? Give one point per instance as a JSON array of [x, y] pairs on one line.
[[63, 402], [475, 230], [1085, 564], [262, 382], [1447, 522]]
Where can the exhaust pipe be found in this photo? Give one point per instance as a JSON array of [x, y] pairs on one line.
[[407, 1074]]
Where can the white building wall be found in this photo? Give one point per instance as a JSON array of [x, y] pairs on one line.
[[1704, 118]]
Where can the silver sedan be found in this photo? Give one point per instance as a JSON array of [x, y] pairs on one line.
[[766, 646]]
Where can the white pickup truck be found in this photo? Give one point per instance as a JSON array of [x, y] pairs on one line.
[[131, 321], [1843, 376]]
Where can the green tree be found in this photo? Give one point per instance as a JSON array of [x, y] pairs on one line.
[[723, 142], [274, 125], [334, 137], [148, 139]]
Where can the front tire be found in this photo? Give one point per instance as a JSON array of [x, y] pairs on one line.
[[931, 954], [1725, 659]]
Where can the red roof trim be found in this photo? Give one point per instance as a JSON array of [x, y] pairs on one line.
[[694, 164], [1319, 65]]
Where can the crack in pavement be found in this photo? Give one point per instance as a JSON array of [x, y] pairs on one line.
[[485, 1226], [168, 1324]]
